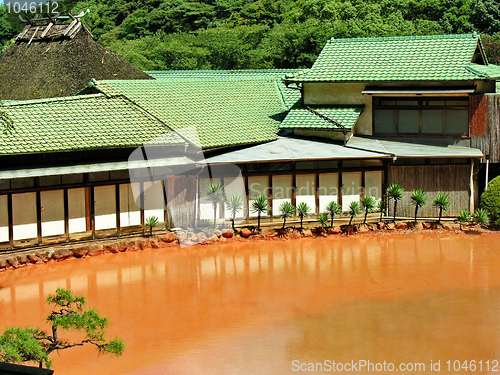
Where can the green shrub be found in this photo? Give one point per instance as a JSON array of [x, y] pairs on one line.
[[481, 216], [323, 220], [464, 216], [490, 199]]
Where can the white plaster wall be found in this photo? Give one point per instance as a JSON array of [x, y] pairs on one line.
[[52, 212], [282, 191], [206, 207], [235, 186], [328, 189], [105, 207], [306, 190], [257, 185], [154, 200], [130, 212], [342, 94], [373, 184], [76, 210], [24, 215], [351, 190], [4, 220]]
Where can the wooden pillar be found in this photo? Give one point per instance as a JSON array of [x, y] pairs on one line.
[[317, 194], [363, 184], [340, 189], [222, 204], [66, 214], [141, 184], [165, 211], [92, 210], [270, 183], [294, 189], [247, 199], [39, 217], [117, 204], [11, 220]]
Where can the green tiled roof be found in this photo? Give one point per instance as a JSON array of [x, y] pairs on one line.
[[303, 118], [79, 123], [405, 58], [485, 71], [224, 112], [290, 96]]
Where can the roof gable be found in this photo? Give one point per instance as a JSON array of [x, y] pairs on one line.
[[406, 58]]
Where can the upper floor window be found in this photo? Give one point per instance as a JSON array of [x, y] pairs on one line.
[[421, 116]]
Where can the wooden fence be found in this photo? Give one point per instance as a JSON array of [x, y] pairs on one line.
[[433, 179]]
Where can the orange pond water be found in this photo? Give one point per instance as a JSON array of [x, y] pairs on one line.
[[256, 308]]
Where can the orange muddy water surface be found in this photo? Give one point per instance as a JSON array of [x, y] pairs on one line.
[[420, 303]]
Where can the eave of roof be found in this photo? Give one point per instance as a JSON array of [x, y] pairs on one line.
[[414, 148], [293, 149], [317, 118]]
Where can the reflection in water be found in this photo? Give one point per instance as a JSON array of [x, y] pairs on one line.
[[255, 308]]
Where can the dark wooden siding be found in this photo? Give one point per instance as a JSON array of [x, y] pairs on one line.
[[181, 193], [433, 179], [484, 124]]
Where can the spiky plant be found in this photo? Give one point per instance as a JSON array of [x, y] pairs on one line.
[[286, 211], [216, 195], [481, 216], [368, 203], [418, 199], [441, 202], [395, 192], [234, 204], [303, 210], [354, 210], [464, 216], [323, 220], [260, 205], [381, 206], [151, 222], [333, 209]]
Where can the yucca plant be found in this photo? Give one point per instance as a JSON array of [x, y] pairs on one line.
[[464, 216], [381, 206], [368, 203], [481, 216], [216, 195], [151, 222], [286, 211], [418, 199], [303, 210], [354, 210], [234, 204], [333, 209], [441, 202], [260, 205], [395, 192], [323, 220]]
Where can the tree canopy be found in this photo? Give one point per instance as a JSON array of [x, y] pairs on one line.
[[238, 34], [19, 345]]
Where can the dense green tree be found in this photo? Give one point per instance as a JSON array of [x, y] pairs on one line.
[[18, 345], [241, 34]]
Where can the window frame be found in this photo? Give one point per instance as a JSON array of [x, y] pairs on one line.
[[422, 104]]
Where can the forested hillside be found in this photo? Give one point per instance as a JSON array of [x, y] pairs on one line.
[[237, 34]]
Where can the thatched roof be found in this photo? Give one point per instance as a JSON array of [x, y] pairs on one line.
[[58, 60]]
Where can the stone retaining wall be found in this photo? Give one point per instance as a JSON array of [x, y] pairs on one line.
[[187, 238]]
